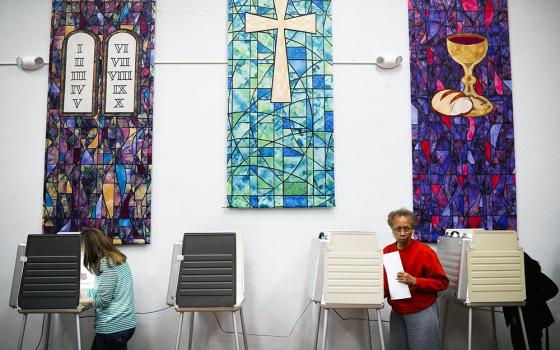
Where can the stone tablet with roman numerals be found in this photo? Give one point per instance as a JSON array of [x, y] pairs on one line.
[[121, 73], [79, 80]]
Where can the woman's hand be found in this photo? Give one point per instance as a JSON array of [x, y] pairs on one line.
[[406, 278], [86, 302]]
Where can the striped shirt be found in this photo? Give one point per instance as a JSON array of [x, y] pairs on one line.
[[113, 298]]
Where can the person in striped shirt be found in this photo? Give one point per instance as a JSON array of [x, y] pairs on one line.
[[112, 298]]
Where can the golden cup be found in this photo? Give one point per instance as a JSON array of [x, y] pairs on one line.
[[468, 50]]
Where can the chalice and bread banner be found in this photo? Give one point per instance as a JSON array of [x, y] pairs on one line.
[[468, 50], [462, 116]]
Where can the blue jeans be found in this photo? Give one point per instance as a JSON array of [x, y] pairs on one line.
[[112, 341], [417, 331]]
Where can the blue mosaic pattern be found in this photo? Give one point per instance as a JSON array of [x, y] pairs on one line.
[[280, 154]]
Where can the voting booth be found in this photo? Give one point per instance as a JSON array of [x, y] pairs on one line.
[[496, 268], [18, 271], [316, 268], [346, 272], [46, 279], [452, 253], [176, 258], [485, 268], [207, 276]]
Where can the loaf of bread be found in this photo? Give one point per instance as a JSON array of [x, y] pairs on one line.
[[451, 102]]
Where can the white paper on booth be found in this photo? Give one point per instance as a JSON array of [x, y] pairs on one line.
[[87, 279], [393, 265]]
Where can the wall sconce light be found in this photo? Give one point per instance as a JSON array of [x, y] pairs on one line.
[[30, 62], [388, 62]]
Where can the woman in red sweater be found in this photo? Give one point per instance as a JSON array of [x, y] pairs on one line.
[[414, 321]]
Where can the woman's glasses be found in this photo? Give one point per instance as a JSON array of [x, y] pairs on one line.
[[406, 229]]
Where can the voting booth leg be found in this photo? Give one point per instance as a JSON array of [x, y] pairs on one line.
[[368, 330], [179, 331], [381, 340], [325, 324], [47, 331], [523, 327], [77, 331], [243, 328], [191, 330], [22, 331], [444, 327], [470, 329], [235, 330], [318, 326], [494, 338]]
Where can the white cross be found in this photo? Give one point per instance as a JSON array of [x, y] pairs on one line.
[[255, 23]]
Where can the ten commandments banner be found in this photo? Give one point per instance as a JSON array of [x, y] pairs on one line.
[[99, 122], [280, 105], [462, 116]]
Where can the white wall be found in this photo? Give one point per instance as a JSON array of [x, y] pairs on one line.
[[373, 167]]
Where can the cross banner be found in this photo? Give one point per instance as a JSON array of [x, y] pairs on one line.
[[280, 104]]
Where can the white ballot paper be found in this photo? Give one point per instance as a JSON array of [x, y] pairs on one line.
[[393, 265], [87, 279]]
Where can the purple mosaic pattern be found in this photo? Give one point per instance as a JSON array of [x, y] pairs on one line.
[[463, 167], [98, 168]]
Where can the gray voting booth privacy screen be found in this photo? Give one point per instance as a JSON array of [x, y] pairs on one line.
[[16, 279], [207, 275], [51, 274], [452, 253]]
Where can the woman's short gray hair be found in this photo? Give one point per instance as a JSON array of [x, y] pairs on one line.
[[401, 212]]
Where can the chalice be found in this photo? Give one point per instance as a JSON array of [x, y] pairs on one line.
[[468, 50]]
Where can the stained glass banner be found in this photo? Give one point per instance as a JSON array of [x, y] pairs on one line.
[[280, 104], [99, 124], [462, 116]]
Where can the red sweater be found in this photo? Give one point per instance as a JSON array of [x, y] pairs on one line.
[[422, 262]]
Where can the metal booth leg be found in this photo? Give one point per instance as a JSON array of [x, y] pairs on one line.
[[368, 330], [523, 328], [469, 347], [47, 331], [179, 330], [494, 338], [380, 330], [77, 331], [235, 330], [444, 327], [243, 330], [22, 331], [325, 323], [318, 326], [191, 330]]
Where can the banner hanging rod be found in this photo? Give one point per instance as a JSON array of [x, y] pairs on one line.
[[213, 63], [351, 62]]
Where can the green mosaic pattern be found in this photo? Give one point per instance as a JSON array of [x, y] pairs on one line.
[[280, 154]]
